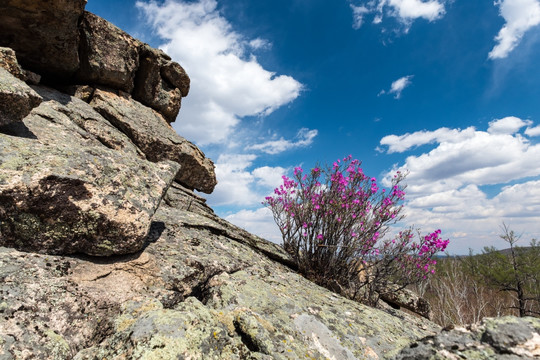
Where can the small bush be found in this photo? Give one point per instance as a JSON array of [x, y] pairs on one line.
[[334, 220]]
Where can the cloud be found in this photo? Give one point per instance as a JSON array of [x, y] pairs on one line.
[[227, 82], [507, 125], [405, 11], [239, 185], [358, 15], [269, 176], [398, 86], [520, 16], [405, 142], [533, 131], [472, 180], [303, 138], [260, 222]]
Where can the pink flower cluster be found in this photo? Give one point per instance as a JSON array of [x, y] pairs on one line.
[[341, 207]]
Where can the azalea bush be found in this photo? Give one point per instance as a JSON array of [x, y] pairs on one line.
[[334, 222]]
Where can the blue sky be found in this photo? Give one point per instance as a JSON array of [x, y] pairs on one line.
[[446, 89]]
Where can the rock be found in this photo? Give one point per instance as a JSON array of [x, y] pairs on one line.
[[493, 338], [79, 124], [157, 140], [160, 83], [109, 56], [16, 98], [8, 61], [404, 298], [44, 34], [193, 292], [61, 200]]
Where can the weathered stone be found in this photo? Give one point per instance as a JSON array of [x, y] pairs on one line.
[[91, 200], [404, 298], [157, 140], [16, 98], [109, 56], [160, 83], [192, 293], [68, 120], [44, 34], [493, 338], [8, 61]]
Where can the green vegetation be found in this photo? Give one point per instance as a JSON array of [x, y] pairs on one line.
[[493, 283]]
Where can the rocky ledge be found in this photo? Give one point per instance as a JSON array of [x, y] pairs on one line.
[[106, 251]]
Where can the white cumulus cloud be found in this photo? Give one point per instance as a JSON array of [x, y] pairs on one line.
[[507, 125], [520, 16], [406, 11], [533, 131], [260, 222], [241, 183], [303, 138], [227, 82], [398, 86], [472, 180]]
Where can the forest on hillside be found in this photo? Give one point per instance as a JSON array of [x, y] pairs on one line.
[[494, 283]]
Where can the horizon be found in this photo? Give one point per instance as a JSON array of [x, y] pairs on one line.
[[445, 89]]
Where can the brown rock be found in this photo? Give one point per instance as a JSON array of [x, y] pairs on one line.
[[157, 140], [44, 34], [16, 98], [8, 61], [160, 83], [109, 56]]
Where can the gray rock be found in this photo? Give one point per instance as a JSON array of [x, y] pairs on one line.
[[404, 298], [109, 56], [91, 200], [160, 83], [193, 292], [157, 140], [79, 123], [493, 338], [44, 34], [8, 61], [16, 98]]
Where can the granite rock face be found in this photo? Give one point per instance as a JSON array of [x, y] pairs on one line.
[[193, 292], [90, 200], [109, 56], [44, 34], [503, 338], [17, 99], [157, 140], [161, 83]]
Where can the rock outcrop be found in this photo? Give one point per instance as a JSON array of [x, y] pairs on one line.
[[502, 338], [45, 34], [16, 98], [107, 253]]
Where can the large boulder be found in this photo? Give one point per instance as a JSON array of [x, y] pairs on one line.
[[109, 56], [90, 200], [72, 183], [44, 34], [161, 83], [16, 98], [157, 140]]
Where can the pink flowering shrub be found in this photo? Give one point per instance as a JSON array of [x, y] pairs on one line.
[[334, 221]]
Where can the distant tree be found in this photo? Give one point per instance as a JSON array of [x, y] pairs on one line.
[[516, 270]]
